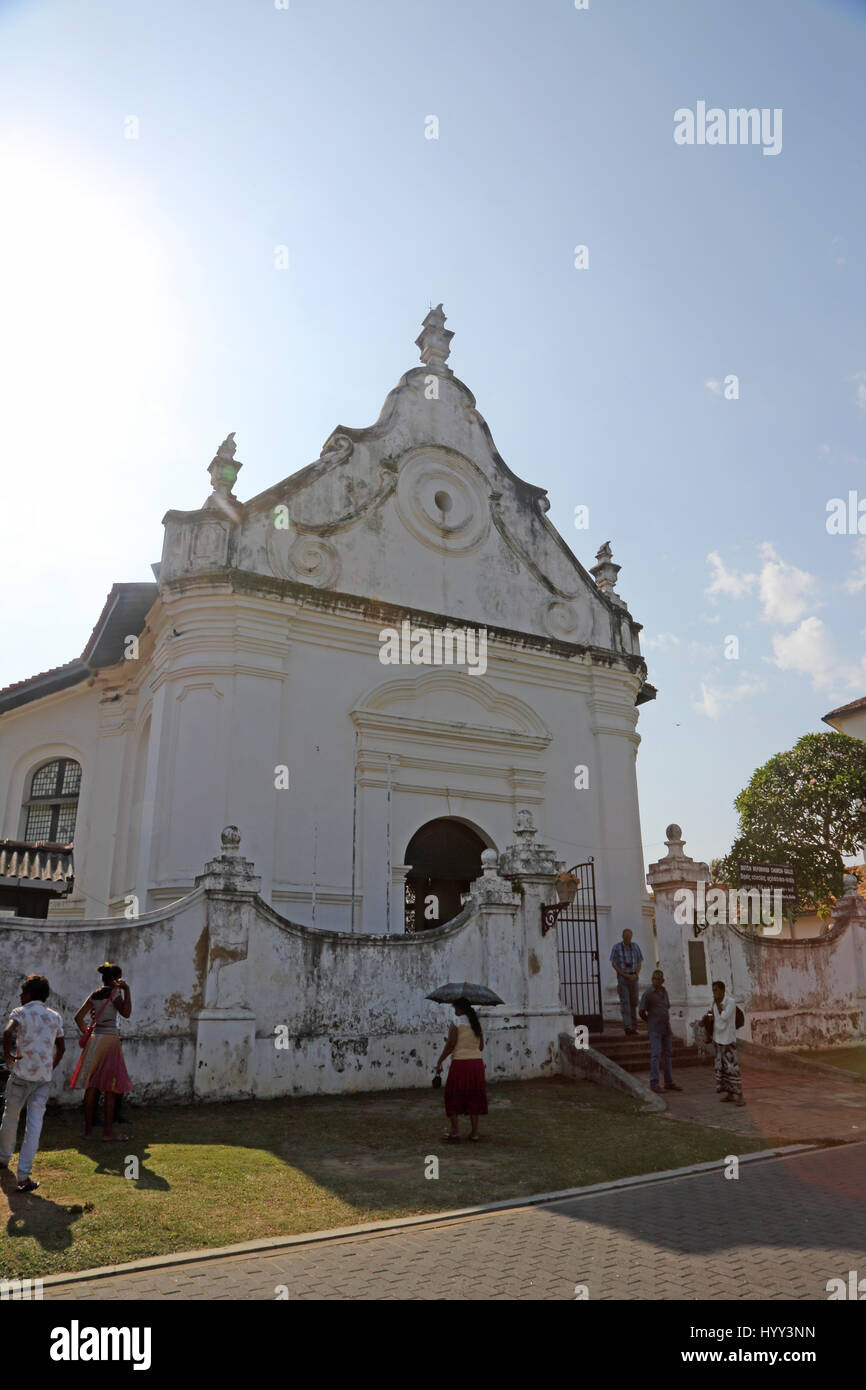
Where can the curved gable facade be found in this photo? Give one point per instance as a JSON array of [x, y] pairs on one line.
[[298, 673]]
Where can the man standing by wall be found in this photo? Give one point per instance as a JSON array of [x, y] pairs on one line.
[[655, 1007], [626, 959], [37, 1035], [728, 1081]]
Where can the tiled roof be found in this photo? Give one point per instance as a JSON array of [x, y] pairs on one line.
[[46, 683], [124, 612], [67, 667], [846, 709], [36, 864]]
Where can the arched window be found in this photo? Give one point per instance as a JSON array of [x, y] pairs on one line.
[[52, 804], [445, 856]]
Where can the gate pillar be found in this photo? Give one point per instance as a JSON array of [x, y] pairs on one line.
[[531, 869], [675, 872], [226, 1025]]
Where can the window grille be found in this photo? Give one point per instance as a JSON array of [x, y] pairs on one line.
[[52, 806]]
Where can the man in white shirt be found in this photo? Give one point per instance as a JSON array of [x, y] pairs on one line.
[[728, 1082], [36, 1033]]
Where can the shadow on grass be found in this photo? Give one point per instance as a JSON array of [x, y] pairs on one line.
[[33, 1215], [125, 1160], [372, 1150], [222, 1174]]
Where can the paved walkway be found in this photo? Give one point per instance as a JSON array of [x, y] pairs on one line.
[[778, 1231], [783, 1101]]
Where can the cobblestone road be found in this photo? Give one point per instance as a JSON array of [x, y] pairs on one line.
[[779, 1231]]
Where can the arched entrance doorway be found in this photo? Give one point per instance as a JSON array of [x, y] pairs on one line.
[[445, 856]]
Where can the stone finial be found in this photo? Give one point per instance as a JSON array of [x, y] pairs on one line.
[[230, 839], [676, 865], [491, 887], [604, 571], [223, 470], [526, 857], [434, 340], [849, 884], [231, 872], [674, 841], [525, 826]]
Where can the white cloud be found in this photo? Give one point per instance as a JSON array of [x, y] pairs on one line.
[[857, 578], [786, 592], [714, 699], [663, 642], [728, 582], [714, 386], [709, 703], [860, 378], [809, 651]]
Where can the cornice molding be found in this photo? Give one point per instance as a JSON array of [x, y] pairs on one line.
[[444, 680], [399, 729], [383, 614]]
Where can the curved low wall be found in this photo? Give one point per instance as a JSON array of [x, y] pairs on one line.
[[231, 1000], [795, 993]]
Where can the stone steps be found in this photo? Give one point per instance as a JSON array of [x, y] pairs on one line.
[[633, 1054]]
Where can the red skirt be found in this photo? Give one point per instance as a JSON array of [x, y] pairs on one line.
[[103, 1067], [465, 1091]]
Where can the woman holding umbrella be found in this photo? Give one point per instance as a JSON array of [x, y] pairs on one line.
[[465, 1089]]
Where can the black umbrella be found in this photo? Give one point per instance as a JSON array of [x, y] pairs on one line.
[[473, 994]]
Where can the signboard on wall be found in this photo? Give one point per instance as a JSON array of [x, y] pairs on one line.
[[775, 877]]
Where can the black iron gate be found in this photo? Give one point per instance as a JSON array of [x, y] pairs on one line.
[[576, 921]]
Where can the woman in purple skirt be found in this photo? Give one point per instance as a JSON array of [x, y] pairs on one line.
[[465, 1089]]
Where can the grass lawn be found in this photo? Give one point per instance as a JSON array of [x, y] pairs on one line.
[[845, 1058], [217, 1174]]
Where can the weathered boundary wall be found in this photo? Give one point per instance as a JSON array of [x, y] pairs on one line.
[[801, 993], [164, 957], [231, 1000], [794, 993]]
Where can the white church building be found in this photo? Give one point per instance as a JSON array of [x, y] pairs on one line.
[[371, 668]]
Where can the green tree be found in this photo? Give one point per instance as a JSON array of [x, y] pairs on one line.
[[806, 808]]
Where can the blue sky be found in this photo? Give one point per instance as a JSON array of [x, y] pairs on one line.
[[144, 318]]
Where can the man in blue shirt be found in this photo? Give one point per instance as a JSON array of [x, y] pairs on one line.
[[626, 959], [655, 1007]]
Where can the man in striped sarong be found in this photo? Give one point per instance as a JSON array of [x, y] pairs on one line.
[[728, 1082]]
